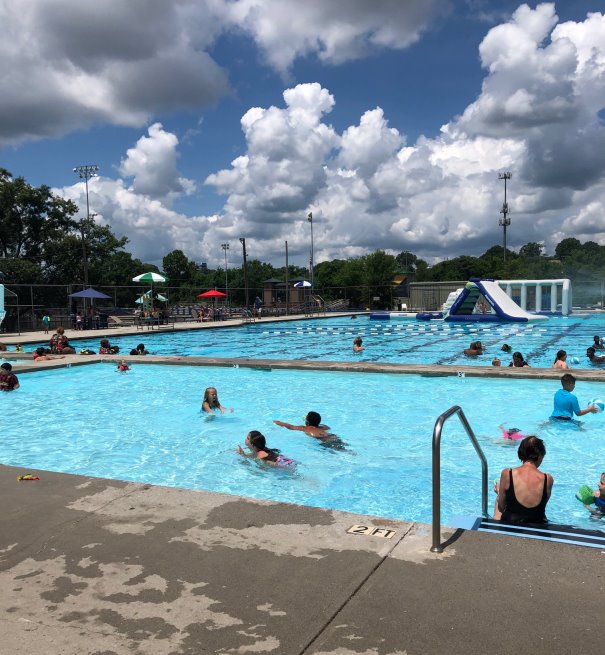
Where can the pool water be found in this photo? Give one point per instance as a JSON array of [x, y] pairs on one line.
[[403, 341], [146, 426]]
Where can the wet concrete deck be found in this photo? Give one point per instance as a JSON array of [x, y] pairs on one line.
[[100, 567]]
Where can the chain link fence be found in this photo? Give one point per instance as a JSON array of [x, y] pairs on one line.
[[25, 304]]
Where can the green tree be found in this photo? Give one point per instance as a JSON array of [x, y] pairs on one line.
[[407, 262], [567, 247], [31, 218], [531, 250], [379, 271], [178, 268]]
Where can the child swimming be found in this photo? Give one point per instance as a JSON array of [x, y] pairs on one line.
[[123, 366], [512, 434], [598, 499], [257, 444], [210, 402]]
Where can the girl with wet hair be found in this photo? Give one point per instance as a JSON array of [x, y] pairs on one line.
[[210, 402], [560, 360], [257, 444]]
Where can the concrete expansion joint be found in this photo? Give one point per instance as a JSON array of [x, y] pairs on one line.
[[355, 591]]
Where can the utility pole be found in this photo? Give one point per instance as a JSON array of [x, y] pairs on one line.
[[242, 240], [504, 221]]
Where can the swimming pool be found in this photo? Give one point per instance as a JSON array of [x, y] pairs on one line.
[[404, 341], [146, 426]]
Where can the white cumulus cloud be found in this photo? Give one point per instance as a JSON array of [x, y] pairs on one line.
[[152, 163]]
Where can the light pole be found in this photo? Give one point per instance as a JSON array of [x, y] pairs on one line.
[[504, 221], [242, 240], [225, 247], [85, 173], [310, 219]]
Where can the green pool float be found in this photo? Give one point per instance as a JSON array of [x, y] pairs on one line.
[[585, 495]]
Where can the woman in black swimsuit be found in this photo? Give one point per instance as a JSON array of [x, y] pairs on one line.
[[524, 491]]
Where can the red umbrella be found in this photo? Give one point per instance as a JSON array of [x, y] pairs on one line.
[[213, 293]]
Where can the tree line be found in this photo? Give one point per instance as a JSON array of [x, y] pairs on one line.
[[41, 243]]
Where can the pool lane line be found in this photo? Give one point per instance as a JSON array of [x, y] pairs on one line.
[[542, 350]]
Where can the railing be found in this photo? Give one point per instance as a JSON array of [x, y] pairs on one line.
[[437, 547], [321, 304]]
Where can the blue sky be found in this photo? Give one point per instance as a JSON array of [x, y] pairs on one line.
[[344, 107]]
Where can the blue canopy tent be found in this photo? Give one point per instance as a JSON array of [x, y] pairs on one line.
[[91, 294]]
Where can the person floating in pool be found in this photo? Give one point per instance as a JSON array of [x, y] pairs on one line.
[[560, 360], [598, 343], [357, 345], [141, 350], [123, 366], [476, 348], [523, 492], [496, 361], [594, 359], [257, 444], [8, 380], [599, 499], [518, 360], [211, 403], [566, 403], [506, 348]]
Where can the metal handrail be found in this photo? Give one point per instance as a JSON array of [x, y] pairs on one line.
[[437, 547]]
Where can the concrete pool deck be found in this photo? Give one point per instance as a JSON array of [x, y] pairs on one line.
[[99, 567]]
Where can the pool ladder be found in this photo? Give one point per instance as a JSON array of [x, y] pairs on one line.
[[437, 546]]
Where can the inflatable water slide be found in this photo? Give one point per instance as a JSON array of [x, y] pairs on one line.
[[485, 300]]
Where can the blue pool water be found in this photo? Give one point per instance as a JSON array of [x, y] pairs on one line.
[[146, 426], [403, 341]]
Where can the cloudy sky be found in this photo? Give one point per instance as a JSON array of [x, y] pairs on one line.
[[212, 120]]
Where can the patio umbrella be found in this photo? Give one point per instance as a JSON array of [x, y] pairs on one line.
[[150, 277], [301, 284], [89, 293], [213, 293]]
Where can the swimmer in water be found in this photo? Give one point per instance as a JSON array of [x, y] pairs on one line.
[[313, 427], [257, 444], [511, 434], [210, 402], [357, 345]]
